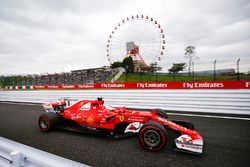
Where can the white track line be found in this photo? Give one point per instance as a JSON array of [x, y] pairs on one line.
[[178, 114]]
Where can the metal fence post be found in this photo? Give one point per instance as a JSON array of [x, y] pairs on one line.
[[238, 69], [215, 70]]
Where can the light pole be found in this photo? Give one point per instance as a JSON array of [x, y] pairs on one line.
[[140, 71], [156, 77], [174, 70], [193, 71], [238, 69], [215, 70], [126, 73]]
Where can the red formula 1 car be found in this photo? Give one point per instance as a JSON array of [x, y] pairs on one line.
[[93, 116]]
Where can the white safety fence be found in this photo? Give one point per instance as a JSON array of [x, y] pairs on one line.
[[236, 101], [13, 154]]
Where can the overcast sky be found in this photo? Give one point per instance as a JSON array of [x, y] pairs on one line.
[[46, 36]]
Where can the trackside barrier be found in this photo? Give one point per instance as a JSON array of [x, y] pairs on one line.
[[13, 154], [141, 85], [229, 101]]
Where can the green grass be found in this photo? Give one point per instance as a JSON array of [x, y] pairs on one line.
[[169, 78]]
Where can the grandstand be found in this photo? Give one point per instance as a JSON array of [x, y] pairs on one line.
[[84, 76]]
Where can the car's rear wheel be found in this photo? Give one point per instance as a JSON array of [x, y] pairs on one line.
[[47, 121], [152, 136]]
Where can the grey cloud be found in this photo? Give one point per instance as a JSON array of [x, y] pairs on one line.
[[51, 35]]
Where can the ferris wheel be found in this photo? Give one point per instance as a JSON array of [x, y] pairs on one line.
[[140, 37]]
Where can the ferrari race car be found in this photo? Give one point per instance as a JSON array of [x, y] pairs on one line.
[[92, 116]]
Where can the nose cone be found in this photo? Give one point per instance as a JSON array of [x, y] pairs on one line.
[[186, 144]]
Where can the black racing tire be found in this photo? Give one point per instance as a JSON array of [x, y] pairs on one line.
[[161, 113], [48, 121], [153, 136]]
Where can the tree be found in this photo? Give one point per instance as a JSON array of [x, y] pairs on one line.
[[177, 67], [140, 67], [2, 81], [190, 54], [128, 64], [116, 64], [154, 68]]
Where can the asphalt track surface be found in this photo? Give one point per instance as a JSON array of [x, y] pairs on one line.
[[227, 142]]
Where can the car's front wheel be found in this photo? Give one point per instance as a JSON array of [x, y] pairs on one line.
[[47, 121], [152, 136], [161, 113]]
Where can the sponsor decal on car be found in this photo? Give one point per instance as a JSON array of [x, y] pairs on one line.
[[162, 119], [121, 118], [90, 120], [85, 106], [139, 119], [84, 118], [75, 117], [133, 127]]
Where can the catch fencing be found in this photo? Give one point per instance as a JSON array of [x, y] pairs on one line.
[[229, 101]]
